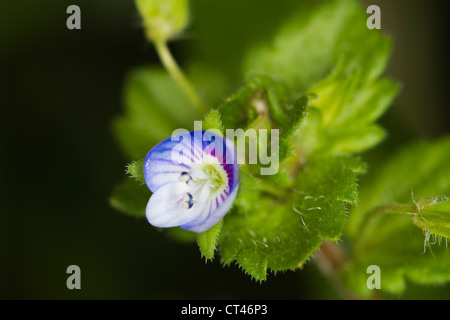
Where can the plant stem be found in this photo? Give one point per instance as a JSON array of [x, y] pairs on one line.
[[330, 258], [174, 70], [391, 209]]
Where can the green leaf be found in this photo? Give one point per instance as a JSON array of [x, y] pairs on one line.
[[309, 45], [322, 52], [280, 233], [131, 197], [136, 170], [401, 250], [341, 119], [207, 240], [434, 217], [212, 121], [263, 104], [249, 192]]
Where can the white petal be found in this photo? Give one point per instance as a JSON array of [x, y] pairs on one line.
[[164, 209], [202, 198], [213, 217]]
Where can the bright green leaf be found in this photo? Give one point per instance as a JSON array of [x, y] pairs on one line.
[[212, 121], [281, 232], [136, 170], [207, 240]]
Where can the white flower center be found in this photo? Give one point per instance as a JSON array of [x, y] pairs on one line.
[[209, 173]]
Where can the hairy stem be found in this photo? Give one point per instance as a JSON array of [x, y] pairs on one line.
[[174, 70], [388, 209]]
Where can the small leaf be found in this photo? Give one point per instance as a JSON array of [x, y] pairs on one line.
[[136, 170], [212, 121], [434, 217], [294, 115], [207, 240]]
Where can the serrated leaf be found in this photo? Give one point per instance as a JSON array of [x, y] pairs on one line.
[[353, 139], [136, 170], [131, 197], [271, 236], [207, 240], [281, 233], [371, 101], [212, 121], [334, 178]]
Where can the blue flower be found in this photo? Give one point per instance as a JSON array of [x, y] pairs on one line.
[[194, 180]]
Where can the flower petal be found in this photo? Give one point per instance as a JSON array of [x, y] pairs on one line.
[[194, 180], [215, 214], [165, 208], [160, 167]]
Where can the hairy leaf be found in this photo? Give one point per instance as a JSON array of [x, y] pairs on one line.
[[434, 217], [136, 170], [207, 240], [280, 233]]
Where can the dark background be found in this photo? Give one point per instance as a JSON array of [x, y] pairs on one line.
[[60, 89]]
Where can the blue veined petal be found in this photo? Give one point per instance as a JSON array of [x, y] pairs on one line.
[[159, 167], [194, 180]]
